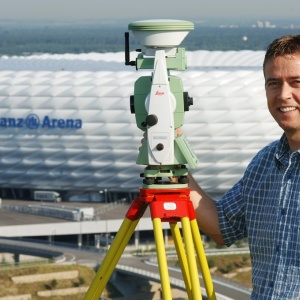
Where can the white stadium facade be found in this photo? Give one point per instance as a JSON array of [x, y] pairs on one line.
[[66, 125]]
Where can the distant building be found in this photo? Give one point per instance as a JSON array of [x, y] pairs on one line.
[[264, 24]]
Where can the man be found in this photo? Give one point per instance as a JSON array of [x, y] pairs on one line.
[[265, 204]]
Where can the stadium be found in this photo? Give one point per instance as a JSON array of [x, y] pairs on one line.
[[66, 124]]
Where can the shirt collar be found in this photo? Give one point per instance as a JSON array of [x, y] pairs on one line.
[[283, 152], [283, 149]]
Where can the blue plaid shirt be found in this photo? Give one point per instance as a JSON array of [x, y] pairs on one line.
[[265, 207]]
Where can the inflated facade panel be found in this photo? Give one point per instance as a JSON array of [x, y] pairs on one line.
[[65, 120]]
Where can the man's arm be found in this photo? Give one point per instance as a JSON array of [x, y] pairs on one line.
[[206, 211]]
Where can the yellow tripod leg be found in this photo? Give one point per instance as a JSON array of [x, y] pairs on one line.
[[191, 258], [111, 259], [162, 260], [181, 257], [203, 261]]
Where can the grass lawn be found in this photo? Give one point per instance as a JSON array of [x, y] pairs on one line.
[[9, 288]]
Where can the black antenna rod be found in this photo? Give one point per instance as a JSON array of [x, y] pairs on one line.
[[127, 52]]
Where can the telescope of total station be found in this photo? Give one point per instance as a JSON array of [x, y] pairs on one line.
[[159, 101]]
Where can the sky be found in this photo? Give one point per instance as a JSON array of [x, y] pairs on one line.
[[154, 9]]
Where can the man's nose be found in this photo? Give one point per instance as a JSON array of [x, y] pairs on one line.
[[285, 92]]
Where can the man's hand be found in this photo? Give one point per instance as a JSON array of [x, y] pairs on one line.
[[179, 131]]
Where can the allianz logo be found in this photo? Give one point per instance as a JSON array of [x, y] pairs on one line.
[[33, 121]]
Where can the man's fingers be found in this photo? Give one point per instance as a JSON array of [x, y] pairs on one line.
[[179, 131]]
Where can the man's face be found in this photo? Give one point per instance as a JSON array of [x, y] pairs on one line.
[[282, 83]]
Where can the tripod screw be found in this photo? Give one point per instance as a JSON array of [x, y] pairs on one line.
[[183, 180], [148, 181]]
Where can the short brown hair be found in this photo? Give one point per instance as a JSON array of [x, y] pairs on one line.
[[287, 45]]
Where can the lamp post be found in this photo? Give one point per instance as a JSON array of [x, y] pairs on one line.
[[104, 191]]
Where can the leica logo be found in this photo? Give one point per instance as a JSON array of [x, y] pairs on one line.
[[158, 93]]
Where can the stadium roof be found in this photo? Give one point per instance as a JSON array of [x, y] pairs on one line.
[[228, 123]]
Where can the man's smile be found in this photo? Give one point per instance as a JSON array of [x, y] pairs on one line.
[[287, 109]]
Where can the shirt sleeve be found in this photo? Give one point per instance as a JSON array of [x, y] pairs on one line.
[[231, 215]]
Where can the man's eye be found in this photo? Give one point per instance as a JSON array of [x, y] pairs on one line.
[[273, 83]]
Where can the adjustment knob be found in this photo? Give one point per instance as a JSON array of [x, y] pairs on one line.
[[132, 109], [159, 147], [151, 120], [187, 101]]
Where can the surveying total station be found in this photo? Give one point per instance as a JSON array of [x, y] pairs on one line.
[[159, 104]]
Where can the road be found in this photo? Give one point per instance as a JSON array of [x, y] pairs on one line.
[[222, 288], [94, 258]]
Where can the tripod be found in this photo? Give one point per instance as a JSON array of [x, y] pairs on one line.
[[166, 205]]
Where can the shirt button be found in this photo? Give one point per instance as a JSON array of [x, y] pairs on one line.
[[271, 284], [283, 211]]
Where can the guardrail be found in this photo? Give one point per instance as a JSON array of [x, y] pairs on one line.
[[173, 281], [109, 206], [54, 212], [13, 246], [69, 213]]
